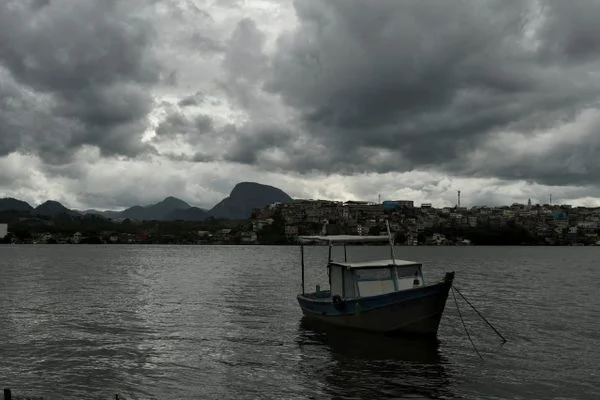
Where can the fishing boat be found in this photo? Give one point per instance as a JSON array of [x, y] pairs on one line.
[[387, 296]]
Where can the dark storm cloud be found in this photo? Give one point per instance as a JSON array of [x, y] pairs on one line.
[[244, 57], [191, 128], [573, 159], [81, 70], [267, 137], [427, 83], [245, 63], [192, 100]]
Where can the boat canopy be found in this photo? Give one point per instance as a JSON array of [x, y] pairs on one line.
[[343, 239], [376, 264]]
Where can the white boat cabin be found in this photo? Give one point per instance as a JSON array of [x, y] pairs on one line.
[[366, 278], [372, 278]]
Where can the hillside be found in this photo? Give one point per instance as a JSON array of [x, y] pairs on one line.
[[10, 204], [160, 211], [245, 197], [53, 208], [188, 214]]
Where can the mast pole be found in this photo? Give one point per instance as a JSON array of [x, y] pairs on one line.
[[302, 263], [391, 240]]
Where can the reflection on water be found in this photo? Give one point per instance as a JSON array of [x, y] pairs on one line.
[[365, 365], [211, 322], [64, 331]]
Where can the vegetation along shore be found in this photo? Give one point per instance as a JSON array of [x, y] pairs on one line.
[[260, 214]]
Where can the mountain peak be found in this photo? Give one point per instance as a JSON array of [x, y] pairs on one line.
[[52, 208], [51, 203], [174, 203], [158, 211], [12, 204], [247, 196], [250, 188]]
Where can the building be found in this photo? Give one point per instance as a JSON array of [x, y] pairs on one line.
[[3, 230], [406, 203], [398, 204]]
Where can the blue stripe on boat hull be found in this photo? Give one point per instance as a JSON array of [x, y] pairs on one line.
[[414, 311]]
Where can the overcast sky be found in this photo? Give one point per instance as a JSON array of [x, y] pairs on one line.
[[112, 103]]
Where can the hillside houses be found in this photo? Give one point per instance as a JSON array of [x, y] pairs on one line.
[[546, 224]]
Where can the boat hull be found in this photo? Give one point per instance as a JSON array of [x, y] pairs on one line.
[[416, 311]]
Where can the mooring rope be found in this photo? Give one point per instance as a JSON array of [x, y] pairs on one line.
[[465, 326], [478, 313]]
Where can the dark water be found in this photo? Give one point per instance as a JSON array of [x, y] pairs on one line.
[[223, 323]]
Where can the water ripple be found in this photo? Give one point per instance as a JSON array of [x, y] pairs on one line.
[[216, 322]]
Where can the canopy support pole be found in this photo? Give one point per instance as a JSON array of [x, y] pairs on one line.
[[302, 263], [391, 239]]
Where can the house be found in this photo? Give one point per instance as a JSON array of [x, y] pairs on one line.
[[76, 238], [438, 239], [248, 237], [291, 230], [3, 230], [362, 230], [472, 221]]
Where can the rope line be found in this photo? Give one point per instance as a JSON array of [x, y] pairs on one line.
[[464, 325], [478, 313]]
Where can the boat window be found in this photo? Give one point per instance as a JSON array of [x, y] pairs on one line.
[[408, 277], [373, 274], [349, 284], [374, 281], [337, 281]]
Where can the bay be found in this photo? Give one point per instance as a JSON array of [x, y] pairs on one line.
[[222, 322]]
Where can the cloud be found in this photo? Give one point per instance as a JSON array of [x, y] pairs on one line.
[[565, 154], [325, 98], [192, 100], [77, 73], [373, 82]]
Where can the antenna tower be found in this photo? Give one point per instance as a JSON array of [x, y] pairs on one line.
[[458, 203]]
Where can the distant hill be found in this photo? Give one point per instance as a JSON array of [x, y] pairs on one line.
[[105, 214], [160, 211], [189, 214], [245, 197], [53, 208], [10, 204]]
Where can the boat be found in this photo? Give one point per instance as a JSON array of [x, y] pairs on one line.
[[387, 296]]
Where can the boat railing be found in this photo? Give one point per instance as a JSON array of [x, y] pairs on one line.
[[321, 294]]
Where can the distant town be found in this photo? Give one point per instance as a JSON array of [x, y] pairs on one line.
[[282, 223]]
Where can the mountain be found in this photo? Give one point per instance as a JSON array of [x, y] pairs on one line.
[[105, 214], [160, 211], [10, 204], [189, 214], [53, 208], [246, 196]]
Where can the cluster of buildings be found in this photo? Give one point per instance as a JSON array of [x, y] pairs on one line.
[[424, 224]]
